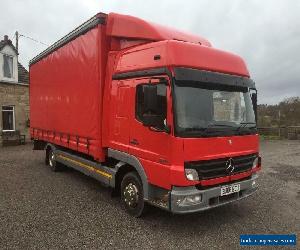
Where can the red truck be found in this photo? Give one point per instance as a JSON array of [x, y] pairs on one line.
[[158, 115]]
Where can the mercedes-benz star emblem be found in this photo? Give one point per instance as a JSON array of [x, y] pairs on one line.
[[229, 166]]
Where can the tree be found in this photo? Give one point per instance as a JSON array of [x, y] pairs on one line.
[[287, 113]]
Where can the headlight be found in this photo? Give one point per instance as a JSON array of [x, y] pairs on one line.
[[191, 174]]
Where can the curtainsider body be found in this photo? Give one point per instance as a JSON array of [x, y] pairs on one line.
[[158, 115]]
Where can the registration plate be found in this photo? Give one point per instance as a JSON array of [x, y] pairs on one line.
[[234, 188]]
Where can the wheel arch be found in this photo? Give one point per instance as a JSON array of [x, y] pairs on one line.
[[129, 163]]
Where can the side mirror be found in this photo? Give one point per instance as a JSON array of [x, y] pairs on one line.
[[151, 120], [254, 102], [150, 99]]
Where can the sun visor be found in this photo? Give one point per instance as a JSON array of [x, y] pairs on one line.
[[187, 74]]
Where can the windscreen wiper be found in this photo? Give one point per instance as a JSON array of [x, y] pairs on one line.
[[194, 129], [244, 124], [210, 125], [213, 125], [204, 130]]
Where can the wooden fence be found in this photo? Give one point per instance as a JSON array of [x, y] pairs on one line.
[[291, 132]]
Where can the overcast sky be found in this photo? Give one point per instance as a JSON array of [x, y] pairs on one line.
[[265, 33]]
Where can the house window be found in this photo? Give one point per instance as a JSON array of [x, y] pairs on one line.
[[8, 118], [7, 66]]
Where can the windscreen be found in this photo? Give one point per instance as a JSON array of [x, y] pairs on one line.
[[201, 107]]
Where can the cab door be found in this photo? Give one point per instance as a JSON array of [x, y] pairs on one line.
[[151, 144]]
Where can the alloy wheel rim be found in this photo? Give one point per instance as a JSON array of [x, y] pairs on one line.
[[51, 159], [131, 195]]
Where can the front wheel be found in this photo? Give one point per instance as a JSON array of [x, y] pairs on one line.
[[132, 195]]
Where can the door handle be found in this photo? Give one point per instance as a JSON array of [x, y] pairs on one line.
[[134, 142], [163, 161]]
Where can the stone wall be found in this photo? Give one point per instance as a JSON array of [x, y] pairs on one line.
[[18, 96]]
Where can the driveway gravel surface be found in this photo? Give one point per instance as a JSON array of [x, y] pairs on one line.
[[40, 209]]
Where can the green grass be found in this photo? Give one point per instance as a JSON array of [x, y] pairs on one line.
[[269, 137]]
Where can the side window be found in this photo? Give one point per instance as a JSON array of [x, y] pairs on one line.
[[7, 66], [156, 107]]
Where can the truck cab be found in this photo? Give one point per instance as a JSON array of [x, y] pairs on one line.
[[190, 120]]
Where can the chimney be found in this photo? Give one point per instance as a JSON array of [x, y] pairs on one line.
[[6, 38]]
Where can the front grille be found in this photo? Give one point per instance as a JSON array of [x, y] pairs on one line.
[[217, 167]]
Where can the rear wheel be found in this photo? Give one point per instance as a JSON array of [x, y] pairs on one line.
[[51, 161], [132, 195]]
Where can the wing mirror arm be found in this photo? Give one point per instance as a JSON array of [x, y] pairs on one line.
[[166, 129]]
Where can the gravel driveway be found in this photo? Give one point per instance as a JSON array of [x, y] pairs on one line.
[[42, 209]]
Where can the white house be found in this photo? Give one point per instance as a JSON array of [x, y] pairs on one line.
[[14, 92]]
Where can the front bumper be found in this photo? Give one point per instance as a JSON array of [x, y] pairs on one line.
[[210, 197]]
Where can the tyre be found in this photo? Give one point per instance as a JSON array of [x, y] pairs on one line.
[[51, 161], [132, 194]]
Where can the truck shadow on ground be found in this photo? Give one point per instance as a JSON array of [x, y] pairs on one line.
[[216, 216], [157, 218]]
